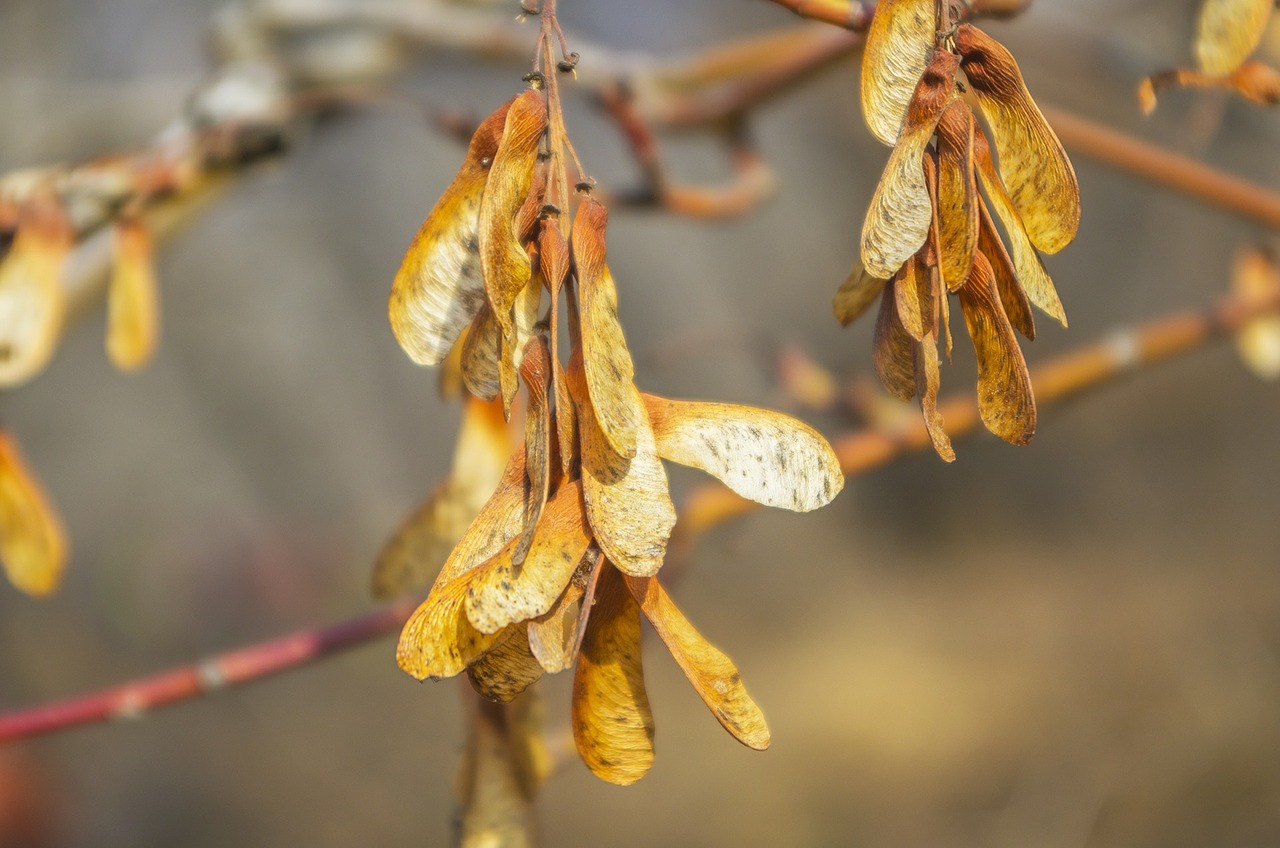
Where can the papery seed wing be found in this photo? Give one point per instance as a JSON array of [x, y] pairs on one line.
[[503, 593], [914, 293], [612, 723], [712, 673], [957, 194], [1032, 276], [524, 316], [506, 670], [33, 545], [537, 440], [497, 523], [855, 295], [901, 36], [1014, 300], [766, 456], [928, 381], [32, 301], [1033, 166], [901, 211], [423, 543], [480, 354], [610, 373], [439, 287], [893, 349], [1228, 31], [553, 635], [1257, 276], [628, 502], [503, 260], [1005, 399], [133, 315], [438, 641]]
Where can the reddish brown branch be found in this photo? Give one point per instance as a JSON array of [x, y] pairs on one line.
[[235, 668]]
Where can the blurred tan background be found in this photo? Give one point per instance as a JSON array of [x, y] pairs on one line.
[[1072, 644]]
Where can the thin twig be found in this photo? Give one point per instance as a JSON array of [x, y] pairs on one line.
[[708, 506], [136, 698]]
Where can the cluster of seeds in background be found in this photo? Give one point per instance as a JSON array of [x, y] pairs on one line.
[[929, 232]]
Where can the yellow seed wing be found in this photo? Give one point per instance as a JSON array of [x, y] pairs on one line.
[[1032, 276], [855, 295], [928, 381], [32, 302], [438, 641], [607, 364], [893, 349], [503, 261], [33, 545], [957, 194], [1228, 31], [439, 288], [553, 635], [914, 293], [506, 670], [628, 502], [766, 456], [897, 48], [1033, 166], [612, 723], [480, 353], [1005, 401], [1014, 300], [712, 673], [133, 315], [901, 210], [537, 441], [503, 593]]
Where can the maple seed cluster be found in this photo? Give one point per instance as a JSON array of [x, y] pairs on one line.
[[556, 567], [929, 232]]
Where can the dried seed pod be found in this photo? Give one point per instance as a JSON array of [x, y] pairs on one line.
[[897, 48], [1005, 400], [612, 722], [439, 287], [33, 545], [438, 640], [1228, 31], [1033, 166], [628, 502], [901, 211], [771, 458], [1030, 271], [957, 206], [507, 670], [133, 314], [855, 295], [714, 676], [607, 365], [893, 349], [32, 301], [928, 381], [1014, 300]]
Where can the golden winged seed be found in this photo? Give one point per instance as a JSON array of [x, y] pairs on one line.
[[958, 199], [612, 722], [771, 458], [855, 295], [1033, 166], [33, 546], [32, 301], [628, 502], [507, 670], [901, 211], [132, 299], [1228, 31], [1004, 386], [438, 641], [893, 349], [713, 675], [897, 49], [607, 364], [927, 383], [438, 288]]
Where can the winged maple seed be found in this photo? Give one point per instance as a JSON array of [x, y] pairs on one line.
[[33, 547], [1227, 33], [929, 231], [559, 564]]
